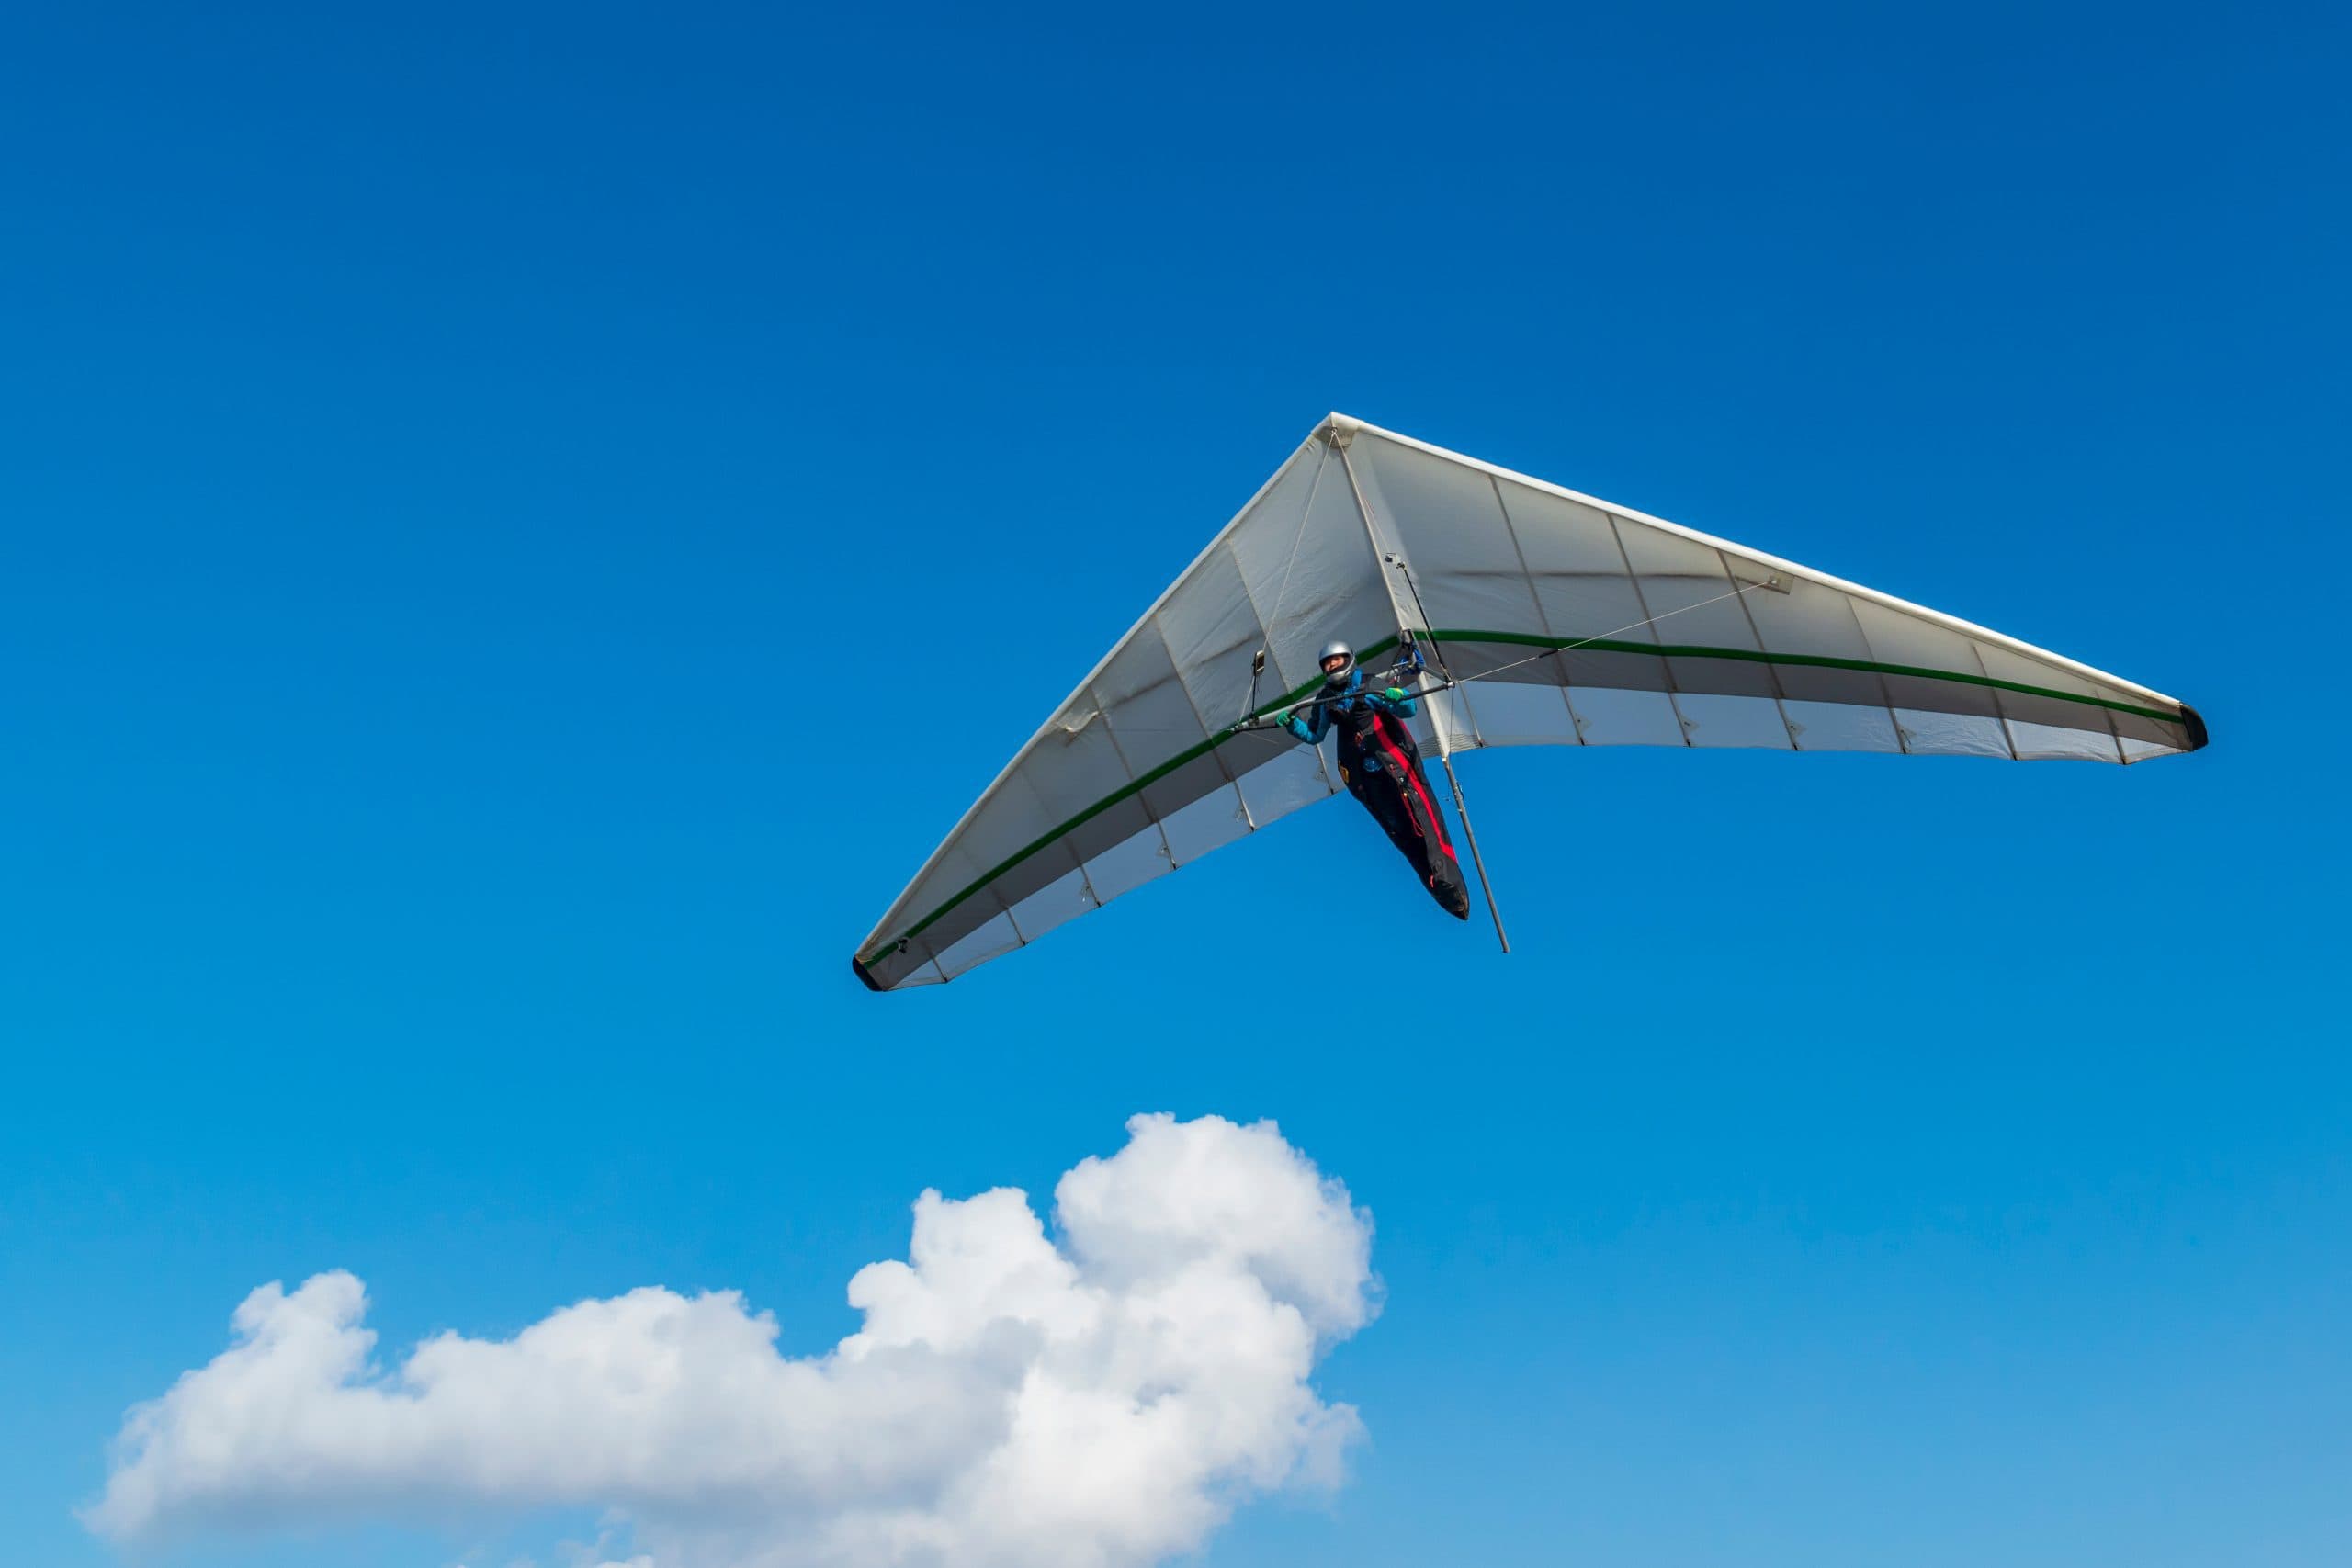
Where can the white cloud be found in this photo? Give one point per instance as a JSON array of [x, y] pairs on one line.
[[1093, 1404]]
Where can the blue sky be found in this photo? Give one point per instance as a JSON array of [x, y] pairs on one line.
[[519, 530]]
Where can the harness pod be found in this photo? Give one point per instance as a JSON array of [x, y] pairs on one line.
[[1381, 766]]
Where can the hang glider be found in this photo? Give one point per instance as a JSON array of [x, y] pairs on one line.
[[1562, 621]]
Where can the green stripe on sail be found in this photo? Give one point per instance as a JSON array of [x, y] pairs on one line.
[[1125, 792], [1814, 661], [1518, 639]]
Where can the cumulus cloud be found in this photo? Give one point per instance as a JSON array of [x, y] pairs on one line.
[[1093, 1401]]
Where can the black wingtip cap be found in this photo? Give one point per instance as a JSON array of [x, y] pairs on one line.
[[2196, 723], [859, 965]]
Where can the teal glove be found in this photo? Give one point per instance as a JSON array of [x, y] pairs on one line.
[[1395, 693]]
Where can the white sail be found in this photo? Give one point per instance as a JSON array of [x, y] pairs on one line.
[[1568, 621]]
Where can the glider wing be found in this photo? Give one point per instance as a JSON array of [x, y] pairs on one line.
[[1566, 620]]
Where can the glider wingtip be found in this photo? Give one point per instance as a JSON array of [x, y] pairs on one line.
[[2195, 722], [859, 965]]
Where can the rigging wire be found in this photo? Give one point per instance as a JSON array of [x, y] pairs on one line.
[[1596, 636], [1450, 681]]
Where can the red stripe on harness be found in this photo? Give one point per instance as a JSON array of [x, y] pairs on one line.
[[1413, 777]]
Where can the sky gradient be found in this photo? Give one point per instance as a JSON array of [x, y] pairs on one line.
[[518, 533]]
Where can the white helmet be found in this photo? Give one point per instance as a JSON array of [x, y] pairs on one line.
[[1335, 649]]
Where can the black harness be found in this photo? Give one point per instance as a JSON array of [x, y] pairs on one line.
[[1363, 739]]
